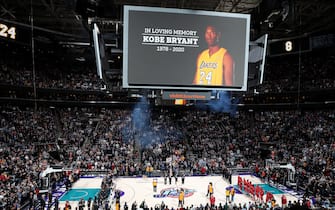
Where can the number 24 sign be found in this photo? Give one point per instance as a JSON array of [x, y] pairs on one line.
[[6, 31]]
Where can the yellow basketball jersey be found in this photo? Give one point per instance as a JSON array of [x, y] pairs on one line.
[[210, 68], [210, 188], [181, 196]]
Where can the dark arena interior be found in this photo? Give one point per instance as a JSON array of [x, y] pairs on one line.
[[93, 104]]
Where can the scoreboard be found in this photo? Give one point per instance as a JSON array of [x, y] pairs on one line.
[[289, 46], [162, 54]]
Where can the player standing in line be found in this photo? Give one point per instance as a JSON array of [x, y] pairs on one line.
[[181, 198], [227, 195], [154, 184], [210, 189], [212, 201], [232, 194]]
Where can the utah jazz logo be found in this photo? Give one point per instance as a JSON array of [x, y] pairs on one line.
[[173, 192]]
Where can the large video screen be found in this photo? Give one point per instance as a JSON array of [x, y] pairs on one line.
[[168, 48]]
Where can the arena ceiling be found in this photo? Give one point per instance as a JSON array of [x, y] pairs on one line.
[[68, 20]]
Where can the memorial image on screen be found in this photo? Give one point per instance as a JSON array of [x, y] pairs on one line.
[[185, 49]]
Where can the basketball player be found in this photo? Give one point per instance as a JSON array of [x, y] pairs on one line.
[[212, 201], [181, 197], [154, 184], [210, 189], [214, 65]]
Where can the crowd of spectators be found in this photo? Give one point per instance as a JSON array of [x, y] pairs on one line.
[[312, 71], [198, 142], [71, 80]]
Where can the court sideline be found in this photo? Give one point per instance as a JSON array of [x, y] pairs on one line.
[[141, 189]]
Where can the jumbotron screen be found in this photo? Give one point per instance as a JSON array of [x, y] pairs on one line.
[[168, 48]]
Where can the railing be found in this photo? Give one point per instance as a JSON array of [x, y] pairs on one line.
[[238, 170]]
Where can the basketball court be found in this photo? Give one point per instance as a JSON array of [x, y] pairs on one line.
[[138, 189], [84, 188]]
